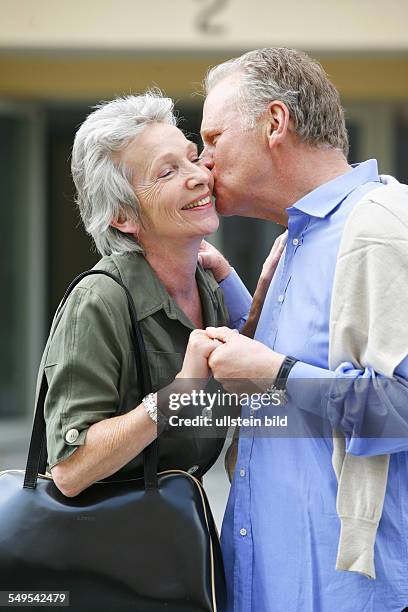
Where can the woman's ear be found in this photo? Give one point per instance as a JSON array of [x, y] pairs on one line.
[[126, 225], [277, 122]]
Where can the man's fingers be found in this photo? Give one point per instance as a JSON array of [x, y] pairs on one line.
[[212, 357], [205, 259], [212, 345], [204, 246], [221, 333], [200, 341]]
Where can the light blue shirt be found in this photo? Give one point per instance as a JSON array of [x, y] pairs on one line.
[[281, 529]]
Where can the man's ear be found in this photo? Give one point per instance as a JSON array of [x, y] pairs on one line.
[[277, 122], [126, 225]]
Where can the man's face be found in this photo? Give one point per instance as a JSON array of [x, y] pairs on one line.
[[238, 156]]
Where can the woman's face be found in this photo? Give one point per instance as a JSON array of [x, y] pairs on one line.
[[173, 187]]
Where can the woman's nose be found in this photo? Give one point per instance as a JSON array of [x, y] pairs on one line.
[[207, 158], [200, 176]]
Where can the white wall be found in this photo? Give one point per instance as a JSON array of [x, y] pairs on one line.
[[351, 25]]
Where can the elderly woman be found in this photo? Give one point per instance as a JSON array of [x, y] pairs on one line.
[[145, 198]]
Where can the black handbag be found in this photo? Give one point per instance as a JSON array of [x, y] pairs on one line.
[[142, 544]]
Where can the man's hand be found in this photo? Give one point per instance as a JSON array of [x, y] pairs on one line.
[[199, 348], [210, 257], [243, 358], [268, 270]]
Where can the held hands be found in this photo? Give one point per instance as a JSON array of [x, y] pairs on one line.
[[229, 355], [239, 357], [199, 348]]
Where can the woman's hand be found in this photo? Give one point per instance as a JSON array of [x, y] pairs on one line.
[[199, 348], [271, 262], [210, 258], [268, 270]]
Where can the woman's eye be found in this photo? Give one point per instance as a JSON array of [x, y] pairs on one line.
[[196, 159], [165, 173]]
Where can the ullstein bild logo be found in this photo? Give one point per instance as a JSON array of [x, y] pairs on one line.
[[229, 421]]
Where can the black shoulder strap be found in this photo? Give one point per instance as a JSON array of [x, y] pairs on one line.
[[37, 454]]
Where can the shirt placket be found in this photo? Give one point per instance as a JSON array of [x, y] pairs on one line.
[[296, 227], [243, 569], [243, 541]]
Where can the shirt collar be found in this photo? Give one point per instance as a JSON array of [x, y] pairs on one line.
[[322, 200], [150, 295]]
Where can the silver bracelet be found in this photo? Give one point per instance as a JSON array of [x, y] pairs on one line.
[[150, 405]]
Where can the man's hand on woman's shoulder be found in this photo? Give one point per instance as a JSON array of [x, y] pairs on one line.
[[211, 258]]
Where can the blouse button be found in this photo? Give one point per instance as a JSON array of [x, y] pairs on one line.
[[71, 436]]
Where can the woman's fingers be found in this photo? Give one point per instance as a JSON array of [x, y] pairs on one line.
[[223, 334], [199, 348], [271, 262]]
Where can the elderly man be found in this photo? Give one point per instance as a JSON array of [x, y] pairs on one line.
[[275, 139]]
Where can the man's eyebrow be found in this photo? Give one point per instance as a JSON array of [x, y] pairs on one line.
[[208, 133]]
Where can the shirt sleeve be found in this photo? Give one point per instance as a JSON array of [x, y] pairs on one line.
[[370, 409], [82, 367], [237, 299]]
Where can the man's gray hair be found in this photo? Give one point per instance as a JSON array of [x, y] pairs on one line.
[[295, 79], [104, 189]]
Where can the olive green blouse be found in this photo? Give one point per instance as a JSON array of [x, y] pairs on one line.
[[89, 361]]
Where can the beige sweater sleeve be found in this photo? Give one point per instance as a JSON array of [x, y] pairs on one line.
[[367, 327]]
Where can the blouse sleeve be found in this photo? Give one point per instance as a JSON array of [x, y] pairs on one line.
[[82, 366]]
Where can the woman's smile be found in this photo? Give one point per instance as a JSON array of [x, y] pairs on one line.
[[203, 203]]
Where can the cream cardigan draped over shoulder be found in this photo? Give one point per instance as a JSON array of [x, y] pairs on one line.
[[368, 327]]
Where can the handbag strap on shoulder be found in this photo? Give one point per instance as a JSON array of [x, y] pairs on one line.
[[37, 454]]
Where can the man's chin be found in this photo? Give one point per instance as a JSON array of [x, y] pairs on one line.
[[223, 208]]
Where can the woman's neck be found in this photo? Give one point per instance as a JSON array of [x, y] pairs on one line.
[[175, 264]]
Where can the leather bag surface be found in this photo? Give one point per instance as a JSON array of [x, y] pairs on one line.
[[143, 544]]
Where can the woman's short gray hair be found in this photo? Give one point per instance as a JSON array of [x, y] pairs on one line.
[[294, 78], [104, 190]]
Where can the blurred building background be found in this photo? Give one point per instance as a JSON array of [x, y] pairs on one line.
[[57, 59]]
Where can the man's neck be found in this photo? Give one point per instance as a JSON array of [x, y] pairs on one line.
[[309, 168], [318, 166]]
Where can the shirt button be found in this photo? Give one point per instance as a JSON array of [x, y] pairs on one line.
[[193, 469], [72, 435], [243, 531], [295, 241], [281, 298], [242, 472]]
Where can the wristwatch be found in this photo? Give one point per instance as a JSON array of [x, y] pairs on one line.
[[279, 386]]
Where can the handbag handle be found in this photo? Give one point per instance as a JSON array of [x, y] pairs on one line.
[[37, 453]]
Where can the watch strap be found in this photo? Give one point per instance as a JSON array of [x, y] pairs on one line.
[[283, 372]]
